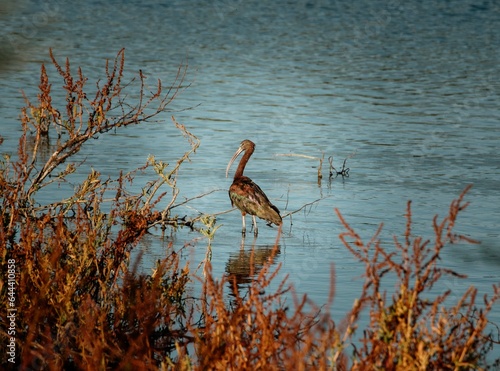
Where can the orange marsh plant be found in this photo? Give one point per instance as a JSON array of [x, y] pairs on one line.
[[77, 301], [413, 329], [410, 329]]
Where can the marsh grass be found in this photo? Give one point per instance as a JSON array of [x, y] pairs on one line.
[[81, 303], [412, 328]]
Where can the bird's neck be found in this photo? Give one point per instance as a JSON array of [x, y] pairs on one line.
[[243, 163]]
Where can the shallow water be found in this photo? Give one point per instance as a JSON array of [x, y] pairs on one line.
[[410, 91]]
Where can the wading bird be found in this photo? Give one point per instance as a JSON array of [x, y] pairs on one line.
[[246, 195]]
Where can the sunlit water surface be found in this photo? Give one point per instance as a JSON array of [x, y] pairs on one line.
[[409, 91]]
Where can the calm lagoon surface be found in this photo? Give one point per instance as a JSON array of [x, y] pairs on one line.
[[409, 93]]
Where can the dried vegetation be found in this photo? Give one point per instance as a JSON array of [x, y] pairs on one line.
[[81, 302]]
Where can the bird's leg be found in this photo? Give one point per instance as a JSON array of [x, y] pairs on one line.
[[254, 221], [244, 229]]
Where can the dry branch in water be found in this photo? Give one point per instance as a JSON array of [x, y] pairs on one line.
[[82, 119], [344, 172]]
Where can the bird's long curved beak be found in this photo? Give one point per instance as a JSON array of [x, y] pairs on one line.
[[236, 154]]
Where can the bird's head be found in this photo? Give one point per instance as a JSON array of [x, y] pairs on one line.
[[246, 145]]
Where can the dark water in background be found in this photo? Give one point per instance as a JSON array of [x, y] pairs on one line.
[[412, 90]]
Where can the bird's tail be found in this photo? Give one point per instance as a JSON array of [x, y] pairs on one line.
[[271, 214]]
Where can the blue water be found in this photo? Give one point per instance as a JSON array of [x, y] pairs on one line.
[[410, 91]]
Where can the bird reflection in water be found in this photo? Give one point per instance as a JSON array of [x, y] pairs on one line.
[[245, 265]]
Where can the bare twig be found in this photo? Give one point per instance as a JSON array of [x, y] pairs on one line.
[[303, 206]]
